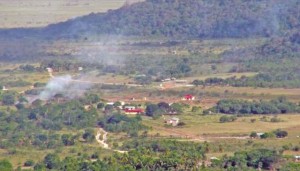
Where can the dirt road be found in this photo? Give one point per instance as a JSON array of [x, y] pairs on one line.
[[103, 142]]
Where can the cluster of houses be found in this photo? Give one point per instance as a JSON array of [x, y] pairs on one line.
[[129, 110]]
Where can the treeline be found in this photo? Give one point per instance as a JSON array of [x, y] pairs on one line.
[[163, 155], [271, 80], [278, 106]]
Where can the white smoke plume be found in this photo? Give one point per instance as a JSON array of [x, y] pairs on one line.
[[66, 86]]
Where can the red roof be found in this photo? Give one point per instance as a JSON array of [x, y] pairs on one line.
[[134, 110], [188, 96]]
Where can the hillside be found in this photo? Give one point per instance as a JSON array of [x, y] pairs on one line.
[[188, 18]]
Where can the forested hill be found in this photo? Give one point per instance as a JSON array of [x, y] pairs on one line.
[[187, 18]]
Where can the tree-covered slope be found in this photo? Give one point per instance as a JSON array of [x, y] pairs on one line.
[[187, 18]]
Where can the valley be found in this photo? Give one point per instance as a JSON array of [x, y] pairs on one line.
[[155, 85]]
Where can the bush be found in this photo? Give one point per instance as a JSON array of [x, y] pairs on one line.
[[181, 124], [29, 163], [280, 133], [224, 119], [267, 135], [253, 135], [275, 119]]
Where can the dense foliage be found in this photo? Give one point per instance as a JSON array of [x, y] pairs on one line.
[[38, 126], [189, 18], [122, 123], [165, 155], [277, 106], [258, 159]]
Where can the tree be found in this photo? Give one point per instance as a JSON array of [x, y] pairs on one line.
[[109, 108], [52, 161], [196, 109], [37, 103], [224, 119], [163, 105], [92, 98], [117, 104], [151, 109], [198, 82], [20, 106], [39, 167], [8, 99], [89, 135], [253, 135], [100, 105], [280, 133], [70, 164], [29, 163], [68, 139]]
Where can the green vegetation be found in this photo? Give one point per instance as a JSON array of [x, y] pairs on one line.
[[121, 123], [277, 106]]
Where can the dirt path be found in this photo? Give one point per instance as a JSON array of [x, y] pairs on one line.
[[104, 139]]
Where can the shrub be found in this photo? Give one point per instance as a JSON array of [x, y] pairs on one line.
[[280, 133], [253, 135], [29, 163], [224, 119]]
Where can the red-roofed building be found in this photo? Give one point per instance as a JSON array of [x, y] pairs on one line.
[[188, 97], [133, 111]]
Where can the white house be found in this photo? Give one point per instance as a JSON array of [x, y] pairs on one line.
[[129, 107], [4, 88], [173, 121], [110, 103]]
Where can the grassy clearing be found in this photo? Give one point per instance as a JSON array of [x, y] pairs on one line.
[[209, 125], [222, 137]]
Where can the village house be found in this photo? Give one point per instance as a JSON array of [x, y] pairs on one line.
[[87, 107], [171, 111], [173, 121], [181, 81], [129, 107], [257, 135], [4, 88], [188, 97], [168, 79], [49, 69], [133, 111], [110, 103]]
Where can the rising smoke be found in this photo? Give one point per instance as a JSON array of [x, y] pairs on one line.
[[66, 86]]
